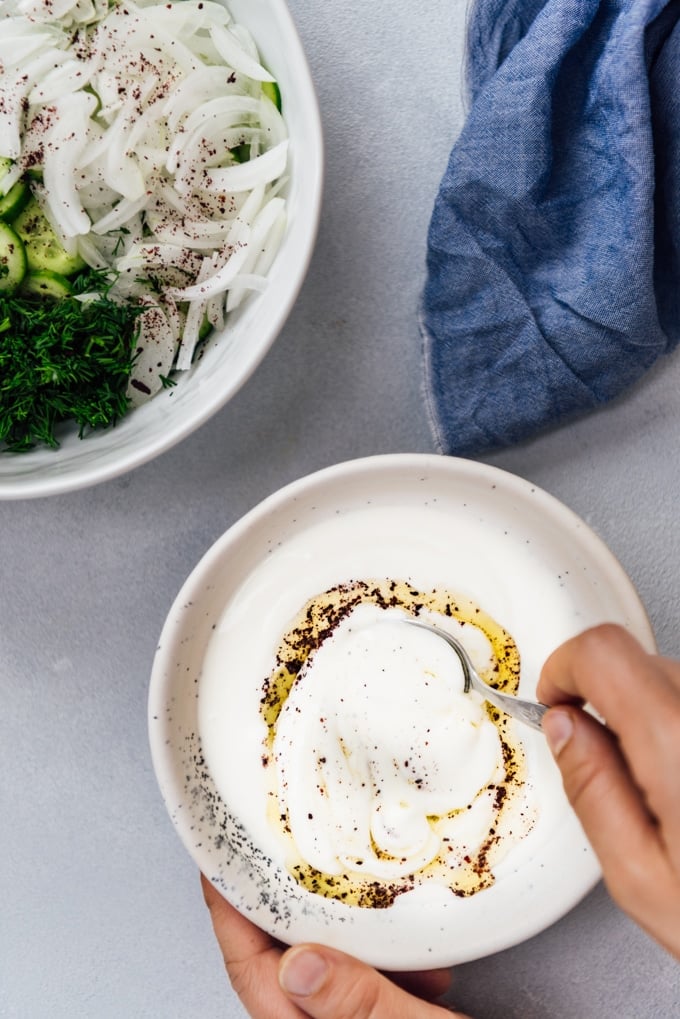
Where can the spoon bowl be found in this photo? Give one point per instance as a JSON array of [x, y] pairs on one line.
[[529, 712]]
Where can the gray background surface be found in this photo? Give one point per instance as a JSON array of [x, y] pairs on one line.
[[100, 909]]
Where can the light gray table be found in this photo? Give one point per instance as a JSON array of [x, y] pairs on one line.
[[100, 910]]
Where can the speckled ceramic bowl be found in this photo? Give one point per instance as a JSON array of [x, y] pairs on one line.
[[513, 549], [232, 356]]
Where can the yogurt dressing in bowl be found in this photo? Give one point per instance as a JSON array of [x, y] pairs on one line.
[[268, 704], [385, 772], [381, 772], [342, 737]]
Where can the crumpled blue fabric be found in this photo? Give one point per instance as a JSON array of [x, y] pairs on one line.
[[553, 251]]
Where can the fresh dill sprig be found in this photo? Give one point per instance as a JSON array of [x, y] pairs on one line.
[[93, 281], [65, 360]]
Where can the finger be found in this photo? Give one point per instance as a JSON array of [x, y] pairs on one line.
[[327, 984], [251, 958], [588, 668], [238, 938], [616, 821], [632, 690]]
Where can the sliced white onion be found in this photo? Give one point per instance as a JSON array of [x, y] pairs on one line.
[[220, 114], [190, 336], [244, 176], [232, 52], [217, 283], [239, 230], [134, 134], [119, 215], [21, 44], [173, 44], [156, 344], [245, 40], [245, 282], [199, 86], [69, 76], [214, 311], [121, 170], [90, 253], [188, 240], [14, 90], [261, 263], [261, 244], [64, 147]]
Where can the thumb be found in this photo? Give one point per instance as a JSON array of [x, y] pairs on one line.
[[327, 984]]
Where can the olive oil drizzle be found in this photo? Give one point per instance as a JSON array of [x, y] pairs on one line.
[[315, 623]]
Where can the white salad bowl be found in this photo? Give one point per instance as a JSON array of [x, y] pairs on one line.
[[513, 549], [230, 356]]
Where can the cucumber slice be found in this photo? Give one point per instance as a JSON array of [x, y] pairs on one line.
[[16, 199], [12, 259], [205, 329], [6, 165], [241, 153], [46, 284], [273, 92], [44, 250]]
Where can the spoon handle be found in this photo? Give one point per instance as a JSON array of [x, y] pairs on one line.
[[529, 712]]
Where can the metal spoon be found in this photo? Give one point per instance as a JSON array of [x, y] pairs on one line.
[[529, 712]]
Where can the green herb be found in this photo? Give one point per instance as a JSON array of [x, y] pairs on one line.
[[64, 360], [122, 232]]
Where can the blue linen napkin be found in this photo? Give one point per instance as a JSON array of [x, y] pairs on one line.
[[553, 261]]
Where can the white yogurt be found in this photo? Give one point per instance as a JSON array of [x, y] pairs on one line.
[[375, 740], [377, 766]]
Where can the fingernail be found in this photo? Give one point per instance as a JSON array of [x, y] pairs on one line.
[[302, 972], [558, 727]]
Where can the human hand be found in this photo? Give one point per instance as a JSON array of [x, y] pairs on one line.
[[623, 780], [310, 980]]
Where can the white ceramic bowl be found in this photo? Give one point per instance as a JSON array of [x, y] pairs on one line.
[[516, 551], [231, 358]]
